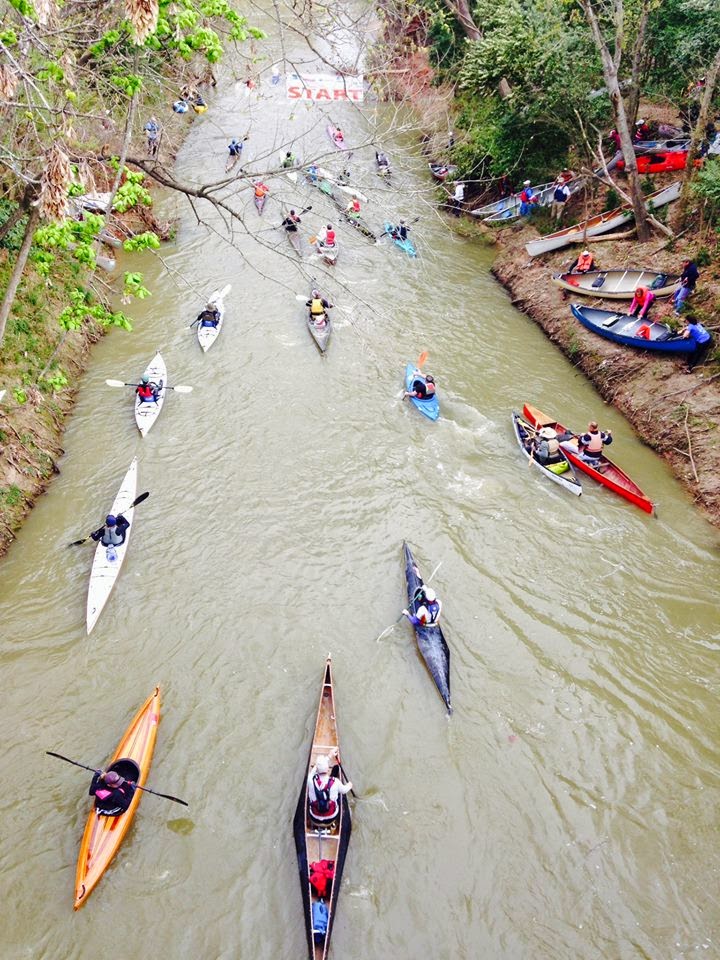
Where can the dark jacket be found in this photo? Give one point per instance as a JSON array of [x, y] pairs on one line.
[[121, 529], [118, 799]]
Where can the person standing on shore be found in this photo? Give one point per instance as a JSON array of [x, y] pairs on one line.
[[152, 129], [694, 330], [560, 196], [528, 200], [688, 280]]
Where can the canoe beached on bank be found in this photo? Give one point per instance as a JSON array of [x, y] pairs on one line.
[[617, 284], [622, 328]]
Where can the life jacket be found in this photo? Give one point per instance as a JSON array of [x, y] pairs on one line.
[[111, 537], [320, 919], [261, 190], [526, 196], [356, 206], [316, 307], [584, 262], [330, 238], [321, 876], [643, 331], [596, 443], [323, 803], [145, 391], [559, 194]]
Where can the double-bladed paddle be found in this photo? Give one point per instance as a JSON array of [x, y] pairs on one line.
[[84, 766], [415, 596], [136, 501], [302, 212], [421, 360], [179, 389]]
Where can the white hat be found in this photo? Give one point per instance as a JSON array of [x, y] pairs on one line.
[[429, 594], [321, 764], [586, 253], [526, 183], [547, 433]]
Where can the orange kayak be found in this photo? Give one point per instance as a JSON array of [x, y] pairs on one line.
[[103, 835]]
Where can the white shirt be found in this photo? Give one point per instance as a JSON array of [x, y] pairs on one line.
[[459, 191], [335, 790]]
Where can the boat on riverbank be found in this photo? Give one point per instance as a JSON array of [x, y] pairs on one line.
[[622, 328], [441, 171], [600, 223], [617, 284], [103, 835], [430, 639], [322, 840], [665, 161], [602, 469]]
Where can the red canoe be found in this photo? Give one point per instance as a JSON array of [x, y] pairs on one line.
[[609, 474], [661, 162]]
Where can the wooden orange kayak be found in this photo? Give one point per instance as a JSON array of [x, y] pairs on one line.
[[103, 835]]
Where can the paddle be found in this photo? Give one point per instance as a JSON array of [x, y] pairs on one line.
[[136, 501], [387, 232], [418, 366], [84, 766], [392, 626], [178, 389]]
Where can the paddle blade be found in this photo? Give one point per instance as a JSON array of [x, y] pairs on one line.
[[115, 383], [312, 239], [422, 359], [182, 389]]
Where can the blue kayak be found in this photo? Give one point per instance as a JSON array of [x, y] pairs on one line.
[[406, 245], [430, 407]]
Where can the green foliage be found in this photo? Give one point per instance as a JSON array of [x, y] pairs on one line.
[[51, 72], [14, 238], [24, 8], [82, 308], [8, 37], [134, 286], [703, 258], [13, 495], [687, 32], [707, 182], [56, 383], [20, 395], [143, 241], [129, 83], [131, 192]]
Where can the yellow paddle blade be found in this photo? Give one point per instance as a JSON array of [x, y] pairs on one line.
[[422, 359], [312, 239]]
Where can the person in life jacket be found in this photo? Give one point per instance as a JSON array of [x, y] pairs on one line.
[[289, 161], [422, 389], [210, 316], [291, 221], [147, 390], [324, 788], [113, 794], [427, 611], [312, 172], [584, 263], [401, 231], [339, 137], [318, 308], [382, 160], [592, 442], [528, 200], [642, 301], [615, 140], [546, 446], [560, 196], [261, 189], [642, 131], [353, 208], [113, 531]]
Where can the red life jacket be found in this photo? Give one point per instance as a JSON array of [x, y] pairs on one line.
[[330, 238], [524, 196], [356, 206], [322, 874], [145, 390]]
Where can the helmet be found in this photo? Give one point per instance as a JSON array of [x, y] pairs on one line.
[[586, 253], [430, 594], [526, 183], [402, 221], [316, 293], [329, 226], [288, 154], [292, 213], [144, 379], [110, 520]]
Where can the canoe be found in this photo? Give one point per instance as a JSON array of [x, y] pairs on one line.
[[441, 171], [560, 473], [600, 223], [295, 241], [430, 640], [430, 408], [617, 284], [320, 334], [330, 842], [107, 562], [208, 335], [508, 208], [103, 835], [147, 413], [661, 162], [662, 146], [622, 328], [405, 245], [358, 224], [603, 469], [331, 131], [260, 203]]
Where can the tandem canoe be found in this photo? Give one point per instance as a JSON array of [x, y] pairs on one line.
[[429, 407], [321, 327], [208, 335], [617, 284], [405, 245], [603, 469], [430, 640], [108, 560], [315, 841], [103, 835], [561, 473], [622, 328], [146, 413], [601, 223]]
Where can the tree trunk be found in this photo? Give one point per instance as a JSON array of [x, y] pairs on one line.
[[17, 272], [461, 9], [711, 79], [611, 65]]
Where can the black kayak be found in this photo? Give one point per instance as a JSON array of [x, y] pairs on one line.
[[320, 327], [430, 640]]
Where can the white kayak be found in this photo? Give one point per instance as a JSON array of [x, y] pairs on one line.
[[208, 335], [108, 560], [146, 413]]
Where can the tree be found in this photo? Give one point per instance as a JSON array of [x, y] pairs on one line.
[[711, 80]]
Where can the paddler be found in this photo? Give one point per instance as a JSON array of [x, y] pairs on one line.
[[289, 161], [235, 147], [339, 137], [261, 189], [113, 531], [428, 609], [592, 442], [113, 794], [324, 787], [642, 301], [326, 237], [318, 306], [210, 316], [290, 222], [382, 160], [546, 446], [312, 172], [421, 389], [353, 208], [147, 390], [400, 231]]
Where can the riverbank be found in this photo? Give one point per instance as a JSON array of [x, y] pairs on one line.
[[675, 411]]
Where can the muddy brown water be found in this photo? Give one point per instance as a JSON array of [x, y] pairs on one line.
[[569, 807]]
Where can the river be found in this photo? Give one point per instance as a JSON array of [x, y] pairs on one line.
[[567, 810]]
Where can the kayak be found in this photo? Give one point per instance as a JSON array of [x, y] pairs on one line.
[[405, 245], [319, 330], [108, 560], [315, 841], [332, 133], [260, 203], [617, 284], [103, 835], [603, 469], [146, 413], [358, 224], [561, 473], [622, 328], [661, 162], [208, 335], [430, 407], [430, 640]]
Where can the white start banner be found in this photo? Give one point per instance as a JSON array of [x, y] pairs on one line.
[[324, 87]]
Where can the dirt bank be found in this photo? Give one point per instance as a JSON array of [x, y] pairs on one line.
[[676, 412]]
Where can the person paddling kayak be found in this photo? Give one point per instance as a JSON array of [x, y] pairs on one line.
[[326, 237], [289, 161], [353, 208], [113, 531], [324, 788], [400, 232], [113, 794], [290, 222], [147, 390], [318, 308], [428, 606], [421, 389], [210, 316]]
